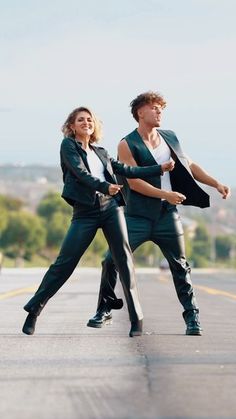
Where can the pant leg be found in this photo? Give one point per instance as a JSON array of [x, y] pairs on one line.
[[115, 231], [168, 234], [80, 234], [109, 276], [139, 230]]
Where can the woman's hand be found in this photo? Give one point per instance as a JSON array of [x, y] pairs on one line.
[[168, 166], [114, 189]]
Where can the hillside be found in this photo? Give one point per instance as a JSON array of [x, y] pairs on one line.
[[31, 182]]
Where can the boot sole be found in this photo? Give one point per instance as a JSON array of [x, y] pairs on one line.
[[194, 333], [134, 334], [28, 332], [99, 325]]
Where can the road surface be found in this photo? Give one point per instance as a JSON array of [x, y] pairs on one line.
[[69, 371]]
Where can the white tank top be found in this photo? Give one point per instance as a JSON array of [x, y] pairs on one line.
[[162, 154], [95, 165]]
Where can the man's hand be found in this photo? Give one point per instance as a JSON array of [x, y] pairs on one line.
[[174, 198], [168, 166], [114, 189], [224, 190]]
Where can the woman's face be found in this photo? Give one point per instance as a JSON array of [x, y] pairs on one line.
[[83, 125]]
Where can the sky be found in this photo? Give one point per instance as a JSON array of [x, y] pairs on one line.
[[57, 55]]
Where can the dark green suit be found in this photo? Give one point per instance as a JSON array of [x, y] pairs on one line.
[[156, 220]]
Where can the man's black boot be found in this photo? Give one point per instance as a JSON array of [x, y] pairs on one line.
[[191, 319], [29, 325], [102, 317], [136, 328]]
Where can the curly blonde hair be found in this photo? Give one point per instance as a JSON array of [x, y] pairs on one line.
[[68, 132], [144, 99]]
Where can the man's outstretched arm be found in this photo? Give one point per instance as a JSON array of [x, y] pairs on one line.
[[201, 176]]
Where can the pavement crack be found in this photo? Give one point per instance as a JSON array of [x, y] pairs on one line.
[[146, 363]]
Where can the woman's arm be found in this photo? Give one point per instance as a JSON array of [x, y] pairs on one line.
[[137, 185], [133, 171]]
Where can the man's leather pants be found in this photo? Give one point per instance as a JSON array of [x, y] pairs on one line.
[[167, 232]]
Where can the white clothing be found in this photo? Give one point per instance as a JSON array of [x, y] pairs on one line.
[[95, 165], [162, 154]]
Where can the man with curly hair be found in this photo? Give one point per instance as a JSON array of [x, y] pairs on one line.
[[151, 211]]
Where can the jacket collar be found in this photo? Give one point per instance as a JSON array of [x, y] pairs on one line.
[[174, 145], [149, 155], [81, 151], [100, 153]]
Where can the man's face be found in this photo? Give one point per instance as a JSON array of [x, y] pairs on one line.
[[150, 114]]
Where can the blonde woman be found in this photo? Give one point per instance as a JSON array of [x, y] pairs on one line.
[[91, 188]]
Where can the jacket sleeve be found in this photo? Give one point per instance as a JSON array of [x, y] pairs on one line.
[[74, 164], [136, 172]]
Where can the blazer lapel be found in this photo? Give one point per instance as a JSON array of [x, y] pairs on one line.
[[149, 159], [174, 145], [82, 154], [102, 155]]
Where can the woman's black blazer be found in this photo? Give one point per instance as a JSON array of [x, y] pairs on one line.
[[80, 186]]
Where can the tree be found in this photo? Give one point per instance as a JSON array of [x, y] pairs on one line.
[[96, 251], [8, 204], [148, 254], [24, 235], [3, 219], [201, 247], [56, 215], [224, 244], [56, 229], [99, 245], [52, 203], [188, 245]]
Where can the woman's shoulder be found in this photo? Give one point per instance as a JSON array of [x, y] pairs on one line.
[[68, 142], [68, 139], [100, 149]]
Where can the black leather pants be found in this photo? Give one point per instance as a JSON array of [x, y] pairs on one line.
[[110, 217], [167, 232]]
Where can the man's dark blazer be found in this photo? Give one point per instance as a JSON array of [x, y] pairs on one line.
[[80, 186], [181, 177]]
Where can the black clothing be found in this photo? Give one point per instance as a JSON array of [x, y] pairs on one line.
[[92, 210], [167, 232], [181, 178], [158, 221], [80, 186], [107, 215]]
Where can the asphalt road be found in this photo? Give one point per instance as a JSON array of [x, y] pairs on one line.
[[69, 371]]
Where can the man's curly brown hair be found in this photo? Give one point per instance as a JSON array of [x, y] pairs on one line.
[[144, 99]]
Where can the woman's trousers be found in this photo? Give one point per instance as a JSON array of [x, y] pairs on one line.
[[107, 215]]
